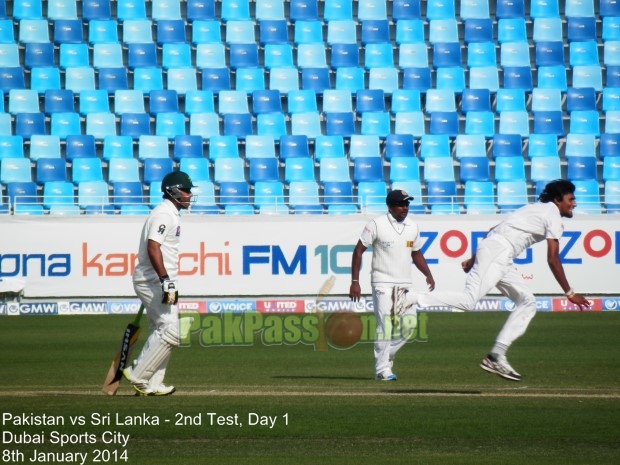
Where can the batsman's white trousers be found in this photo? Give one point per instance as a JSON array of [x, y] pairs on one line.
[[493, 267], [388, 340]]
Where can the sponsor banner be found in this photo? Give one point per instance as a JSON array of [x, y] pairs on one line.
[[562, 304], [199, 306], [33, 308], [232, 306], [337, 305], [123, 307], [223, 260], [611, 304], [280, 306], [82, 308], [2, 308]]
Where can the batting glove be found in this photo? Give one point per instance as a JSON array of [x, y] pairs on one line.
[[170, 295]]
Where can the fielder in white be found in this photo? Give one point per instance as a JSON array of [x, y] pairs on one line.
[[396, 243], [154, 281], [492, 266]]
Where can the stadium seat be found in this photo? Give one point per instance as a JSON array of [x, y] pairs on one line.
[[510, 100], [15, 170], [470, 145], [13, 147], [183, 80], [165, 9], [484, 77], [406, 10], [405, 168], [238, 124], [200, 10], [259, 146], [350, 78], [187, 146], [43, 146], [450, 78], [271, 124], [127, 193], [581, 168], [478, 30], [441, 100], [443, 31], [543, 145], [444, 123], [148, 79], [135, 124], [579, 8], [474, 9], [584, 122], [228, 169], [308, 32], [293, 146], [371, 196], [480, 123], [214, 80], [588, 76], [23, 101], [481, 54], [588, 196], [399, 145], [546, 100], [409, 31], [169, 124], [510, 9], [86, 169], [545, 168], [611, 168], [223, 147], [367, 169], [521, 77], [509, 169], [544, 9], [65, 124], [29, 124], [93, 194], [417, 79], [344, 56], [137, 31], [205, 125], [611, 28], [612, 196], [608, 145], [442, 193], [437, 9], [580, 145], [361, 145], [317, 79], [334, 169], [263, 169], [103, 31], [549, 122], [374, 31], [113, 79], [339, 124], [338, 197], [128, 101], [117, 147], [177, 55], [547, 29], [582, 99], [511, 195], [298, 169], [553, 77], [101, 124], [514, 122], [39, 55], [371, 9], [170, 31], [284, 80], [132, 9], [304, 195], [123, 169], [438, 169], [581, 29], [155, 169], [50, 169], [199, 101], [378, 56], [479, 197], [511, 30], [270, 32], [58, 193], [269, 197], [33, 31], [329, 147], [152, 147], [434, 146], [549, 53], [612, 122], [59, 101], [141, 55], [409, 123]]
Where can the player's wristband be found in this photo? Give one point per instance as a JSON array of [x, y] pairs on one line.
[[355, 280], [570, 292]]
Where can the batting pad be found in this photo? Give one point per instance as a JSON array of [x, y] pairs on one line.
[[155, 354]]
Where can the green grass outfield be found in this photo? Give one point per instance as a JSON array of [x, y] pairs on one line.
[[443, 409]]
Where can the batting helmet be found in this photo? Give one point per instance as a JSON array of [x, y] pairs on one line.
[[177, 179]]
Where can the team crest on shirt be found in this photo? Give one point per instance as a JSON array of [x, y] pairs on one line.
[[409, 244], [161, 230]]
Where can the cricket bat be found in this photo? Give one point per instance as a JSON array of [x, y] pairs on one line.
[[321, 344], [119, 362]]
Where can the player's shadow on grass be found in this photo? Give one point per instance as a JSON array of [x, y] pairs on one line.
[[362, 378]]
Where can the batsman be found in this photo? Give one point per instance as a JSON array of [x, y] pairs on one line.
[[155, 283]]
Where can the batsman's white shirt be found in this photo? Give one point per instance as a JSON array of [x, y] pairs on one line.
[[164, 226], [392, 244]]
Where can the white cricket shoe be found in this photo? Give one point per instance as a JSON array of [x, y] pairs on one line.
[[498, 365], [386, 376], [403, 300], [162, 390], [142, 387]]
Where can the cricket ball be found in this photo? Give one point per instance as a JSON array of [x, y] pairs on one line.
[[344, 328]]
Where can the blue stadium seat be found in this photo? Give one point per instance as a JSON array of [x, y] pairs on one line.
[[543, 145], [93, 101], [405, 168], [15, 170], [68, 31], [510, 100], [444, 123], [546, 100], [269, 197], [337, 10], [509, 169], [165, 9], [484, 77], [547, 30], [405, 100], [301, 10], [417, 79], [270, 32], [284, 79], [28, 124], [581, 29], [340, 124], [170, 124], [199, 101], [74, 55], [278, 56], [549, 53], [612, 196], [41, 79], [58, 193], [361, 145], [329, 147], [39, 55], [441, 196], [378, 56], [374, 31], [128, 101], [101, 124], [438, 169], [585, 122], [23, 101], [611, 168], [317, 79], [138, 31], [228, 170], [375, 123], [441, 100], [107, 56], [206, 32], [437, 9], [249, 79], [442, 30], [266, 101], [141, 55], [127, 193], [479, 197], [544, 9], [86, 169], [58, 101], [611, 99], [293, 146], [470, 145], [578, 145], [176, 56], [399, 145], [298, 169], [309, 32], [433, 145], [409, 31], [588, 197], [152, 147], [581, 168], [588, 76], [7, 35], [447, 54], [214, 80], [608, 145], [187, 146], [510, 9], [50, 169], [148, 79], [367, 169], [350, 78], [511, 195], [65, 124], [549, 122], [406, 10], [476, 100], [304, 197], [545, 169], [385, 79], [480, 54], [243, 56], [409, 123], [183, 80], [478, 30], [506, 145], [117, 147], [123, 170], [451, 78], [474, 169], [474, 9], [113, 79], [135, 124], [344, 56], [133, 9], [271, 124], [232, 101], [155, 169], [583, 53], [163, 101], [259, 146], [223, 147], [196, 168], [371, 196], [22, 192], [103, 31], [311, 55], [240, 31], [200, 10], [263, 169], [371, 9], [170, 31], [511, 30], [514, 122], [12, 147], [611, 28], [338, 194], [43, 146], [334, 169], [308, 123], [514, 54], [612, 122], [93, 194], [581, 99], [579, 8], [62, 10], [335, 100]]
